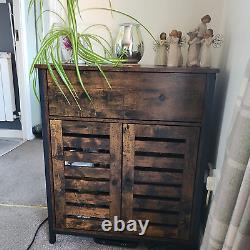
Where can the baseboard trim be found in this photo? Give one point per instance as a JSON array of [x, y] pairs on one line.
[[9, 133]]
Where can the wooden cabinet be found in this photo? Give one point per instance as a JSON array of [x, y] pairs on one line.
[[138, 152]]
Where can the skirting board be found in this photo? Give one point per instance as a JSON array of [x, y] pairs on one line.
[[8, 133]]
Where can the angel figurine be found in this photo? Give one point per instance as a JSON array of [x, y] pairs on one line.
[[202, 28], [180, 44], [193, 50], [205, 55], [161, 48], [173, 52]]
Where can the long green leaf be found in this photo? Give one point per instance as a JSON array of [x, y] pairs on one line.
[[50, 11], [64, 79], [55, 80]]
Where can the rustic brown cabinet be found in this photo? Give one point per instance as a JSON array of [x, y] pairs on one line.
[[139, 151]]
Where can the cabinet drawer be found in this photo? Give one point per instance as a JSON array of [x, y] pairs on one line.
[[141, 96]]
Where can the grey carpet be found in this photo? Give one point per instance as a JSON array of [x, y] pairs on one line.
[[6, 145], [22, 178], [17, 226], [22, 185]]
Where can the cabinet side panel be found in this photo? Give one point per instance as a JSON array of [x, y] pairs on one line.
[[203, 159], [47, 151]]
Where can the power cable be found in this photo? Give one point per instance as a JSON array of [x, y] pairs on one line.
[[33, 240]]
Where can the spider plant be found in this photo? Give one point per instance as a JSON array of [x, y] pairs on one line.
[[81, 45]]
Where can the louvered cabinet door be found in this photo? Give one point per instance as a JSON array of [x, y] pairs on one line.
[[159, 166], [86, 160]]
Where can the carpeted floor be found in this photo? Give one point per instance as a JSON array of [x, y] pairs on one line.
[[23, 204], [6, 145]]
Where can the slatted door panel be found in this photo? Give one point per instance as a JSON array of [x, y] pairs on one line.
[[86, 160], [159, 165]]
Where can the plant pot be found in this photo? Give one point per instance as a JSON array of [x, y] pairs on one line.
[[66, 49]]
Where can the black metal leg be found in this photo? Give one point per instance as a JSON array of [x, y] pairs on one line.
[[52, 238]]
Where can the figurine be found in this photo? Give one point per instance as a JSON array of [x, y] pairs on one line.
[[205, 56], [193, 50], [180, 43], [161, 48], [202, 28], [173, 53]]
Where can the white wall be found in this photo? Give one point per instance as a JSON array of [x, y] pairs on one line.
[[233, 64], [26, 50], [159, 16], [32, 50]]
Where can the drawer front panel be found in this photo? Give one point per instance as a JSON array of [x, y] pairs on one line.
[[159, 166], [86, 161], [142, 96]]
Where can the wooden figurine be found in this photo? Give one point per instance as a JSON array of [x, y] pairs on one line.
[[193, 50], [180, 43], [161, 48], [205, 54], [202, 28], [173, 53]]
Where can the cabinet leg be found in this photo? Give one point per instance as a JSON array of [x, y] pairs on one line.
[[52, 238]]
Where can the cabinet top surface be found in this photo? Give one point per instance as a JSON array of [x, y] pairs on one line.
[[140, 68]]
